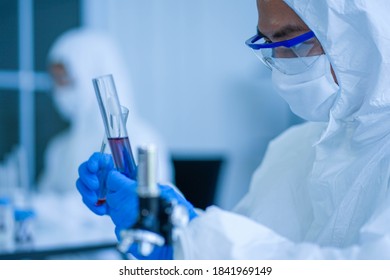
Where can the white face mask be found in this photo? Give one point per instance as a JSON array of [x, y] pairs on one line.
[[310, 94], [67, 101]]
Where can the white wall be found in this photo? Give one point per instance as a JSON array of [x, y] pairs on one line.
[[197, 82]]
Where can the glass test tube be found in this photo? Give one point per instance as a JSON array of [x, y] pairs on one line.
[[102, 176], [115, 125]]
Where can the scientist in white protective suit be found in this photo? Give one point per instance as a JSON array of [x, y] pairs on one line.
[[322, 190], [75, 58]]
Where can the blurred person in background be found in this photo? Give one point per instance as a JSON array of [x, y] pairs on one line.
[[76, 57], [74, 60]]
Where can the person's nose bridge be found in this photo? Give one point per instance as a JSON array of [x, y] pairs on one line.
[[283, 52]]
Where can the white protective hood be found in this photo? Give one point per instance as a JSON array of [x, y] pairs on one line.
[[322, 190], [88, 54], [355, 37]]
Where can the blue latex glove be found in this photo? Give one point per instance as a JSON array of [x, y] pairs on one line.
[[120, 190], [123, 209], [88, 182], [121, 200]]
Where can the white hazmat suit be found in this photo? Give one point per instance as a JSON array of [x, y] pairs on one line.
[[87, 54], [322, 190]]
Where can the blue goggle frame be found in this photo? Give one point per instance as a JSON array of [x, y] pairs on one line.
[[286, 43]]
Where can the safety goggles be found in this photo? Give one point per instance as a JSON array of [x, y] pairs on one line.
[[291, 56]]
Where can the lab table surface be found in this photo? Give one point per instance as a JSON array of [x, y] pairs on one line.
[[63, 227]]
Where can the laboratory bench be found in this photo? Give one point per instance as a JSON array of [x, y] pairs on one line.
[[61, 228], [81, 251]]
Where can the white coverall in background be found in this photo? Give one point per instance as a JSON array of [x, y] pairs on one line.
[[61, 218], [87, 54], [322, 190]]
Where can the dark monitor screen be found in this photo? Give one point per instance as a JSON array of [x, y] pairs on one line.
[[197, 178]]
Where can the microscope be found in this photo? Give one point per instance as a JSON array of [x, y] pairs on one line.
[[158, 218]]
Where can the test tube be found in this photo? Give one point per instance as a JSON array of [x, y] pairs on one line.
[[115, 125], [102, 176]]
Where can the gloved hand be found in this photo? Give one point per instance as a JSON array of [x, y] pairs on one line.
[[121, 199], [123, 208], [88, 182]]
